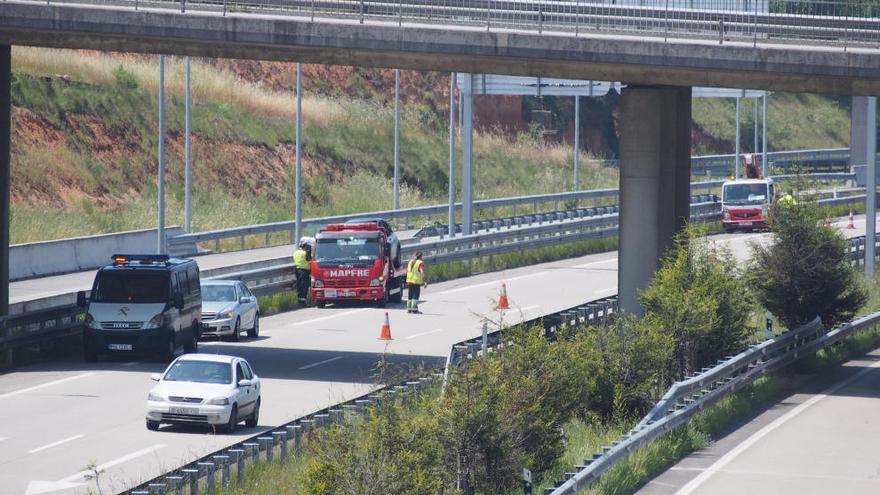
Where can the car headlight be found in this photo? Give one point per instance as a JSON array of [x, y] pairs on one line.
[[317, 283], [157, 321], [375, 282], [90, 321], [153, 396], [218, 401], [224, 315]]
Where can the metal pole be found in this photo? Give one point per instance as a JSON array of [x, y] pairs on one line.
[[736, 153], [452, 155], [298, 195], [467, 158], [160, 238], [755, 118], [764, 137], [871, 189], [396, 139], [5, 160], [188, 152], [577, 143]]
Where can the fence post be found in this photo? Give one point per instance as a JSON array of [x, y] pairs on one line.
[[282, 439], [223, 461], [209, 469]]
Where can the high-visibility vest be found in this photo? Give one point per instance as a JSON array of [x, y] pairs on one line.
[[300, 259], [787, 201], [414, 273]]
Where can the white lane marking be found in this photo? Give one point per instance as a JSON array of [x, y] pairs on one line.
[[606, 289], [319, 363], [417, 335], [108, 465], [494, 282], [48, 384], [593, 263], [757, 436], [36, 487], [3, 438], [328, 317], [54, 444]]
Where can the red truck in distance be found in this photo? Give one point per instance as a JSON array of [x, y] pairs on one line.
[[357, 261]]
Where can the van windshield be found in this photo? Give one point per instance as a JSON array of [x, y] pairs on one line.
[[129, 286]]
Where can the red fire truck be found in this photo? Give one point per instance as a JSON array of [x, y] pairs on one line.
[[357, 261]]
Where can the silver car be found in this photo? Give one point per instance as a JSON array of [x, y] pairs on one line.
[[228, 307]]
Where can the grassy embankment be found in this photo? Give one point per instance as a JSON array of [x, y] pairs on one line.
[[86, 147]]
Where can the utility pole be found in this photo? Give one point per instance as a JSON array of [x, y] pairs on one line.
[[577, 143], [160, 237], [764, 164], [737, 162], [451, 221], [396, 139], [871, 190], [298, 195], [467, 137], [188, 152]]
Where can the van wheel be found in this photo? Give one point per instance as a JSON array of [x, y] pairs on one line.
[[193, 344], [397, 298], [236, 331], [152, 425], [320, 304], [255, 331], [167, 353]]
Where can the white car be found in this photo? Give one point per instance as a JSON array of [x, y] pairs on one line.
[[205, 389], [228, 307]]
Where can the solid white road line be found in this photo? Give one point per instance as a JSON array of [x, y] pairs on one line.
[[48, 384], [54, 444], [107, 465], [757, 436], [319, 363], [494, 282], [594, 263], [417, 335], [606, 289]]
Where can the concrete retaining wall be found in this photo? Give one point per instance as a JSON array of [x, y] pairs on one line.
[[39, 259]]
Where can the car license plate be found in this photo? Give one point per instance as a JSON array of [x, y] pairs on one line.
[[119, 347], [183, 410], [746, 224]]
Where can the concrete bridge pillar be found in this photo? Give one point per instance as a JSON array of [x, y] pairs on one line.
[[655, 169], [858, 144], [5, 129]]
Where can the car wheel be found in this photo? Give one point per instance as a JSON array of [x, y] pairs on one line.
[[193, 344], [233, 420], [167, 352], [236, 331], [254, 420], [152, 425], [255, 331]]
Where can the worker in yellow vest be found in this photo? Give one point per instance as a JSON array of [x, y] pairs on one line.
[[302, 263], [415, 279]]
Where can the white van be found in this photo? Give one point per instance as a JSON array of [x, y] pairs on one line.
[[142, 304]]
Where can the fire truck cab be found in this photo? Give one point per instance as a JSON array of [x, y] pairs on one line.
[[746, 204], [357, 261]]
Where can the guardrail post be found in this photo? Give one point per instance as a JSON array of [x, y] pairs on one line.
[[269, 443], [192, 476], [485, 337], [208, 468], [157, 488], [295, 431], [238, 459], [223, 461], [362, 11], [281, 437]]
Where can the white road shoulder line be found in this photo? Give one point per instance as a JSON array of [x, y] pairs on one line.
[[48, 384], [757, 436], [594, 263], [319, 363], [54, 444], [328, 317], [494, 282], [107, 465], [606, 289]]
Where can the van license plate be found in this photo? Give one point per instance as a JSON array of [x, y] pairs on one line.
[[183, 410], [330, 293], [746, 224], [119, 347]]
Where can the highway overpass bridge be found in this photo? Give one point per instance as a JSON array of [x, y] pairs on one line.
[[659, 53]]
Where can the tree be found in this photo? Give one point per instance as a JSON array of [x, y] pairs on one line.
[[699, 299], [804, 272]]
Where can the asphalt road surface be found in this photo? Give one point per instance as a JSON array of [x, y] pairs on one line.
[[56, 418]]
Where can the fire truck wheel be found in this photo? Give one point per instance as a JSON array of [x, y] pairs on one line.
[[320, 304]]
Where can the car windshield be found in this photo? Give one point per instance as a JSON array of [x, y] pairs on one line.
[[200, 372], [347, 248], [130, 286], [744, 194], [218, 293]]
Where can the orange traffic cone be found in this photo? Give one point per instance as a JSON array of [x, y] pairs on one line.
[[850, 225], [385, 333], [503, 303]]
